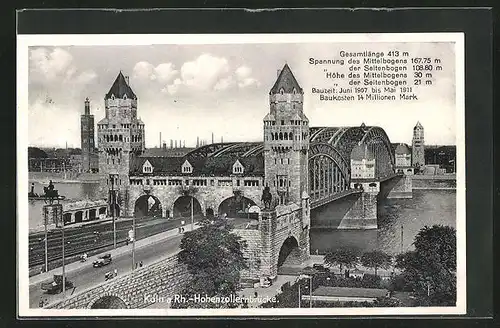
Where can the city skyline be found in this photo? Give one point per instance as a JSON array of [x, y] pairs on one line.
[[179, 86]]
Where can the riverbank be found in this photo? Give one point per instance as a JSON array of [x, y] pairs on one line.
[[434, 177], [437, 183], [61, 177]]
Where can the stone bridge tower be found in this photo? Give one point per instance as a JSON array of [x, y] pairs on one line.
[[286, 140], [121, 138], [284, 227]]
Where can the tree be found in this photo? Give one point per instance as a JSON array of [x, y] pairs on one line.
[[214, 258], [375, 260], [430, 269], [344, 256]]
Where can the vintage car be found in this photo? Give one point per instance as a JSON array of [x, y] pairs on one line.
[[56, 285], [102, 260]]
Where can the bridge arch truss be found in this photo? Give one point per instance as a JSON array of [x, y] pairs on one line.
[[329, 172]]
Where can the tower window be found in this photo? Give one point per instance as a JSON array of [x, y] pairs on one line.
[[282, 122]]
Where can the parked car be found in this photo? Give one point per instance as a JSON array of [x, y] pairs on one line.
[[102, 260], [320, 268], [56, 286]]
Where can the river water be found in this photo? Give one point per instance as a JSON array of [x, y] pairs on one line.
[[427, 207]]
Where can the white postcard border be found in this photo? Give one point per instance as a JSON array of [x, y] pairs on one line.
[[25, 41]]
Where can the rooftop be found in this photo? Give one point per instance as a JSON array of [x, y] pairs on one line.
[[286, 81], [121, 88]]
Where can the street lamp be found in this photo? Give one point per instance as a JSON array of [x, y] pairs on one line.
[[310, 277], [192, 215], [133, 243], [112, 201], [63, 265]]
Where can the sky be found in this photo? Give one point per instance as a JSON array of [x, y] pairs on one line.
[[189, 91]]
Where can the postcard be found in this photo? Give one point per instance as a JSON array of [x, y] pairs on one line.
[[241, 175]]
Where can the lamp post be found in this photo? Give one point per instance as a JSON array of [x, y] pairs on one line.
[[310, 291], [192, 215], [401, 251], [63, 265], [133, 243], [112, 206], [310, 277], [46, 243]]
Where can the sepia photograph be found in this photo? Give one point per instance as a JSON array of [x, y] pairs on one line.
[[241, 175]]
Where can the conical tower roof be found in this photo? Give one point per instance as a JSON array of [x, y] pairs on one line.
[[120, 88], [418, 126], [287, 81]]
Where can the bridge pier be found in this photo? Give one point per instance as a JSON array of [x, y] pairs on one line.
[[402, 189], [363, 213]]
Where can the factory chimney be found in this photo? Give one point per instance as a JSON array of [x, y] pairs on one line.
[[176, 144], [197, 142], [171, 144], [212, 137], [164, 146]]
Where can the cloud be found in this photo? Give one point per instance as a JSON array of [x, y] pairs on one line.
[[172, 88], [50, 64], [224, 84], [243, 74], [56, 67], [162, 73], [210, 73], [204, 72]]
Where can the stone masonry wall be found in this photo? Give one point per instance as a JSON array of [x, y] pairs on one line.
[[275, 227], [164, 278], [252, 252], [208, 196]]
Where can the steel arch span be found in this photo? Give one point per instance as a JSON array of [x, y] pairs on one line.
[[379, 143], [329, 172]]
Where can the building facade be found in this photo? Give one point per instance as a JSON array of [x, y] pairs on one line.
[[418, 148]]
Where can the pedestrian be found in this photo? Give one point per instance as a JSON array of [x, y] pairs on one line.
[[136, 265], [140, 264], [40, 304], [116, 272]]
